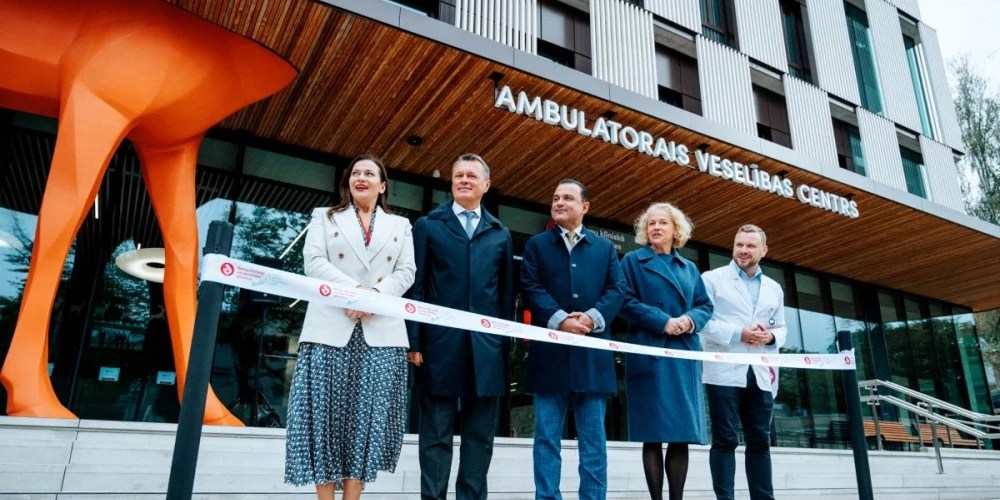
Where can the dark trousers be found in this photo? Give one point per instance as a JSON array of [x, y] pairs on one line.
[[437, 431], [728, 408]]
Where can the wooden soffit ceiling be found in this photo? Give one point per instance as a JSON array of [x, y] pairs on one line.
[[366, 87]]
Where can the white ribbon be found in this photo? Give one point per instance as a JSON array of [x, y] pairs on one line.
[[222, 269]]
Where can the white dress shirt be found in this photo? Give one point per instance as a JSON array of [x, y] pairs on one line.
[[459, 209]]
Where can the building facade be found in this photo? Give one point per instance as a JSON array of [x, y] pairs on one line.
[[827, 122]]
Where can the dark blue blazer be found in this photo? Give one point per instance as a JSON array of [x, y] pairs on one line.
[[474, 275], [552, 279]]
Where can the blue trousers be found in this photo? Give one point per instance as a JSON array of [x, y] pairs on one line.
[[550, 415], [728, 408]]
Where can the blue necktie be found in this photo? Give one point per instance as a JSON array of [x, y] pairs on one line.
[[469, 226]]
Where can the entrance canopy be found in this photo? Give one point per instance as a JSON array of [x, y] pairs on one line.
[[366, 86]]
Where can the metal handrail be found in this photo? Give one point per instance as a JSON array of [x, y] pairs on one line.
[[930, 415], [925, 407], [934, 402]]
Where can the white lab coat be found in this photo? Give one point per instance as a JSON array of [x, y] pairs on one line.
[[733, 311]]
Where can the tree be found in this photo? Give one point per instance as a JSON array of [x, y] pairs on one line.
[[978, 110]]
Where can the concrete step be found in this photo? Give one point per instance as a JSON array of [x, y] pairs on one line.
[[109, 460]]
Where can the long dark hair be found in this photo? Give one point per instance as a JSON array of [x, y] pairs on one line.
[[345, 186]]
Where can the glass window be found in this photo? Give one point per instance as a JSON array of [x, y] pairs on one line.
[[913, 171], [792, 18], [406, 199], [717, 259], [849, 153], [897, 343], [443, 10], [819, 336], [793, 424], [564, 35], [921, 347], [864, 58], [290, 170], [772, 116], [17, 235], [949, 365], [677, 78], [919, 88], [689, 254], [718, 21], [972, 361], [218, 154], [849, 316]]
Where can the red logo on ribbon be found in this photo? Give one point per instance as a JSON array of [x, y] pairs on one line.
[[410, 308], [847, 359], [668, 352], [613, 345], [808, 361], [553, 336], [227, 269], [485, 322], [325, 290], [719, 357], [764, 359]]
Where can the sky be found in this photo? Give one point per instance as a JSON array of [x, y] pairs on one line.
[[967, 27]]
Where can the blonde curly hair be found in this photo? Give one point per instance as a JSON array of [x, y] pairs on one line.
[[682, 225]]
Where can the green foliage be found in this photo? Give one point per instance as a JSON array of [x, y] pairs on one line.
[[978, 110]]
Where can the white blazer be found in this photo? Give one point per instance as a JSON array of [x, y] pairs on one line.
[[733, 311], [335, 251]]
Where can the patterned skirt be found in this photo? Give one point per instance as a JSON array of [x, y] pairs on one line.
[[346, 412]]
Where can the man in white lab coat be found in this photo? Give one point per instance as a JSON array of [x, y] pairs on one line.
[[749, 317]]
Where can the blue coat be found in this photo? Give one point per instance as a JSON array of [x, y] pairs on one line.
[[475, 276], [553, 279], [665, 398]]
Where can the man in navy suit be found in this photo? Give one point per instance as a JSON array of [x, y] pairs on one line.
[[464, 261], [571, 281]]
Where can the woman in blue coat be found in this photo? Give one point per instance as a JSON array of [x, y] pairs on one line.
[[665, 305]]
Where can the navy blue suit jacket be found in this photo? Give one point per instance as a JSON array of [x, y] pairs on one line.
[[552, 279], [474, 275]]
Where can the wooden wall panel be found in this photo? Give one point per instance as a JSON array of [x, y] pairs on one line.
[[366, 87]]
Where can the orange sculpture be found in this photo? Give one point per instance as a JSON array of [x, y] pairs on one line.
[[111, 69]]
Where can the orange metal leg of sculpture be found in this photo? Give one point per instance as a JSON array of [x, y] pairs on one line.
[[111, 69], [169, 175]]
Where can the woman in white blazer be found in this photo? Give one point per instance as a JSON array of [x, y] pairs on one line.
[[346, 408]]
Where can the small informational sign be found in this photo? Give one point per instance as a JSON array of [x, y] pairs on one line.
[[109, 374], [166, 378]]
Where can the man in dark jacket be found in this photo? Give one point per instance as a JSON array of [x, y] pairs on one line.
[[571, 281], [464, 261]]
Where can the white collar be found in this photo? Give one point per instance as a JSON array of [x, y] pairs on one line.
[[458, 209], [578, 231]]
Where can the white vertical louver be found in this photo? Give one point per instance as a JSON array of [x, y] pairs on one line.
[[726, 92], [686, 13], [942, 174], [910, 7], [810, 121], [511, 22], [951, 133], [762, 36], [623, 46], [832, 48], [893, 70], [880, 146]]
